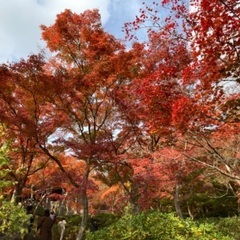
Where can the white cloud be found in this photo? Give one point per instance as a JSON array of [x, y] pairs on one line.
[[20, 20]]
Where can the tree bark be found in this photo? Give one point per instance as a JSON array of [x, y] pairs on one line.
[[176, 202], [84, 221], [17, 193]]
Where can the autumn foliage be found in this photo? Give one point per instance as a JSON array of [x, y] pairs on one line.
[[98, 126]]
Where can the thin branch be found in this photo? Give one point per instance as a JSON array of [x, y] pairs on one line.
[[55, 159], [212, 167]]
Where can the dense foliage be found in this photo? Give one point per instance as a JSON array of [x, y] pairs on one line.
[[99, 126], [156, 225], [13, 218]]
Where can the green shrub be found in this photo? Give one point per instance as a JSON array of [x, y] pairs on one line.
[[72, 227], [73, 223], [230, 226], [13, 219], [156, 226], [102, 220]]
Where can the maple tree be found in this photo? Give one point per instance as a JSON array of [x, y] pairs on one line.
[[21, 116], [88, 66], [202, 41], [50, 188], [211, 43], [25, 116]]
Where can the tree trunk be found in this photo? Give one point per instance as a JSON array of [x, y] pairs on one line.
[[134, 196], [190, 212], [17, 193], [176, 202], [84, 221]]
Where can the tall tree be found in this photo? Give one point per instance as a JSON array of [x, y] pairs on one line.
[[88, 66]]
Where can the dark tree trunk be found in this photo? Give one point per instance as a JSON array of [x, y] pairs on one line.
[[84, 221], [17, 193]]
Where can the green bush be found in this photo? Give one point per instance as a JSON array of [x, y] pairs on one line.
[[72, 227], [230, 226], [102, 220], [13, 219], [156, 226], [73, 223]]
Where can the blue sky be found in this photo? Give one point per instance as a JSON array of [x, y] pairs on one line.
[[20, 20]]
